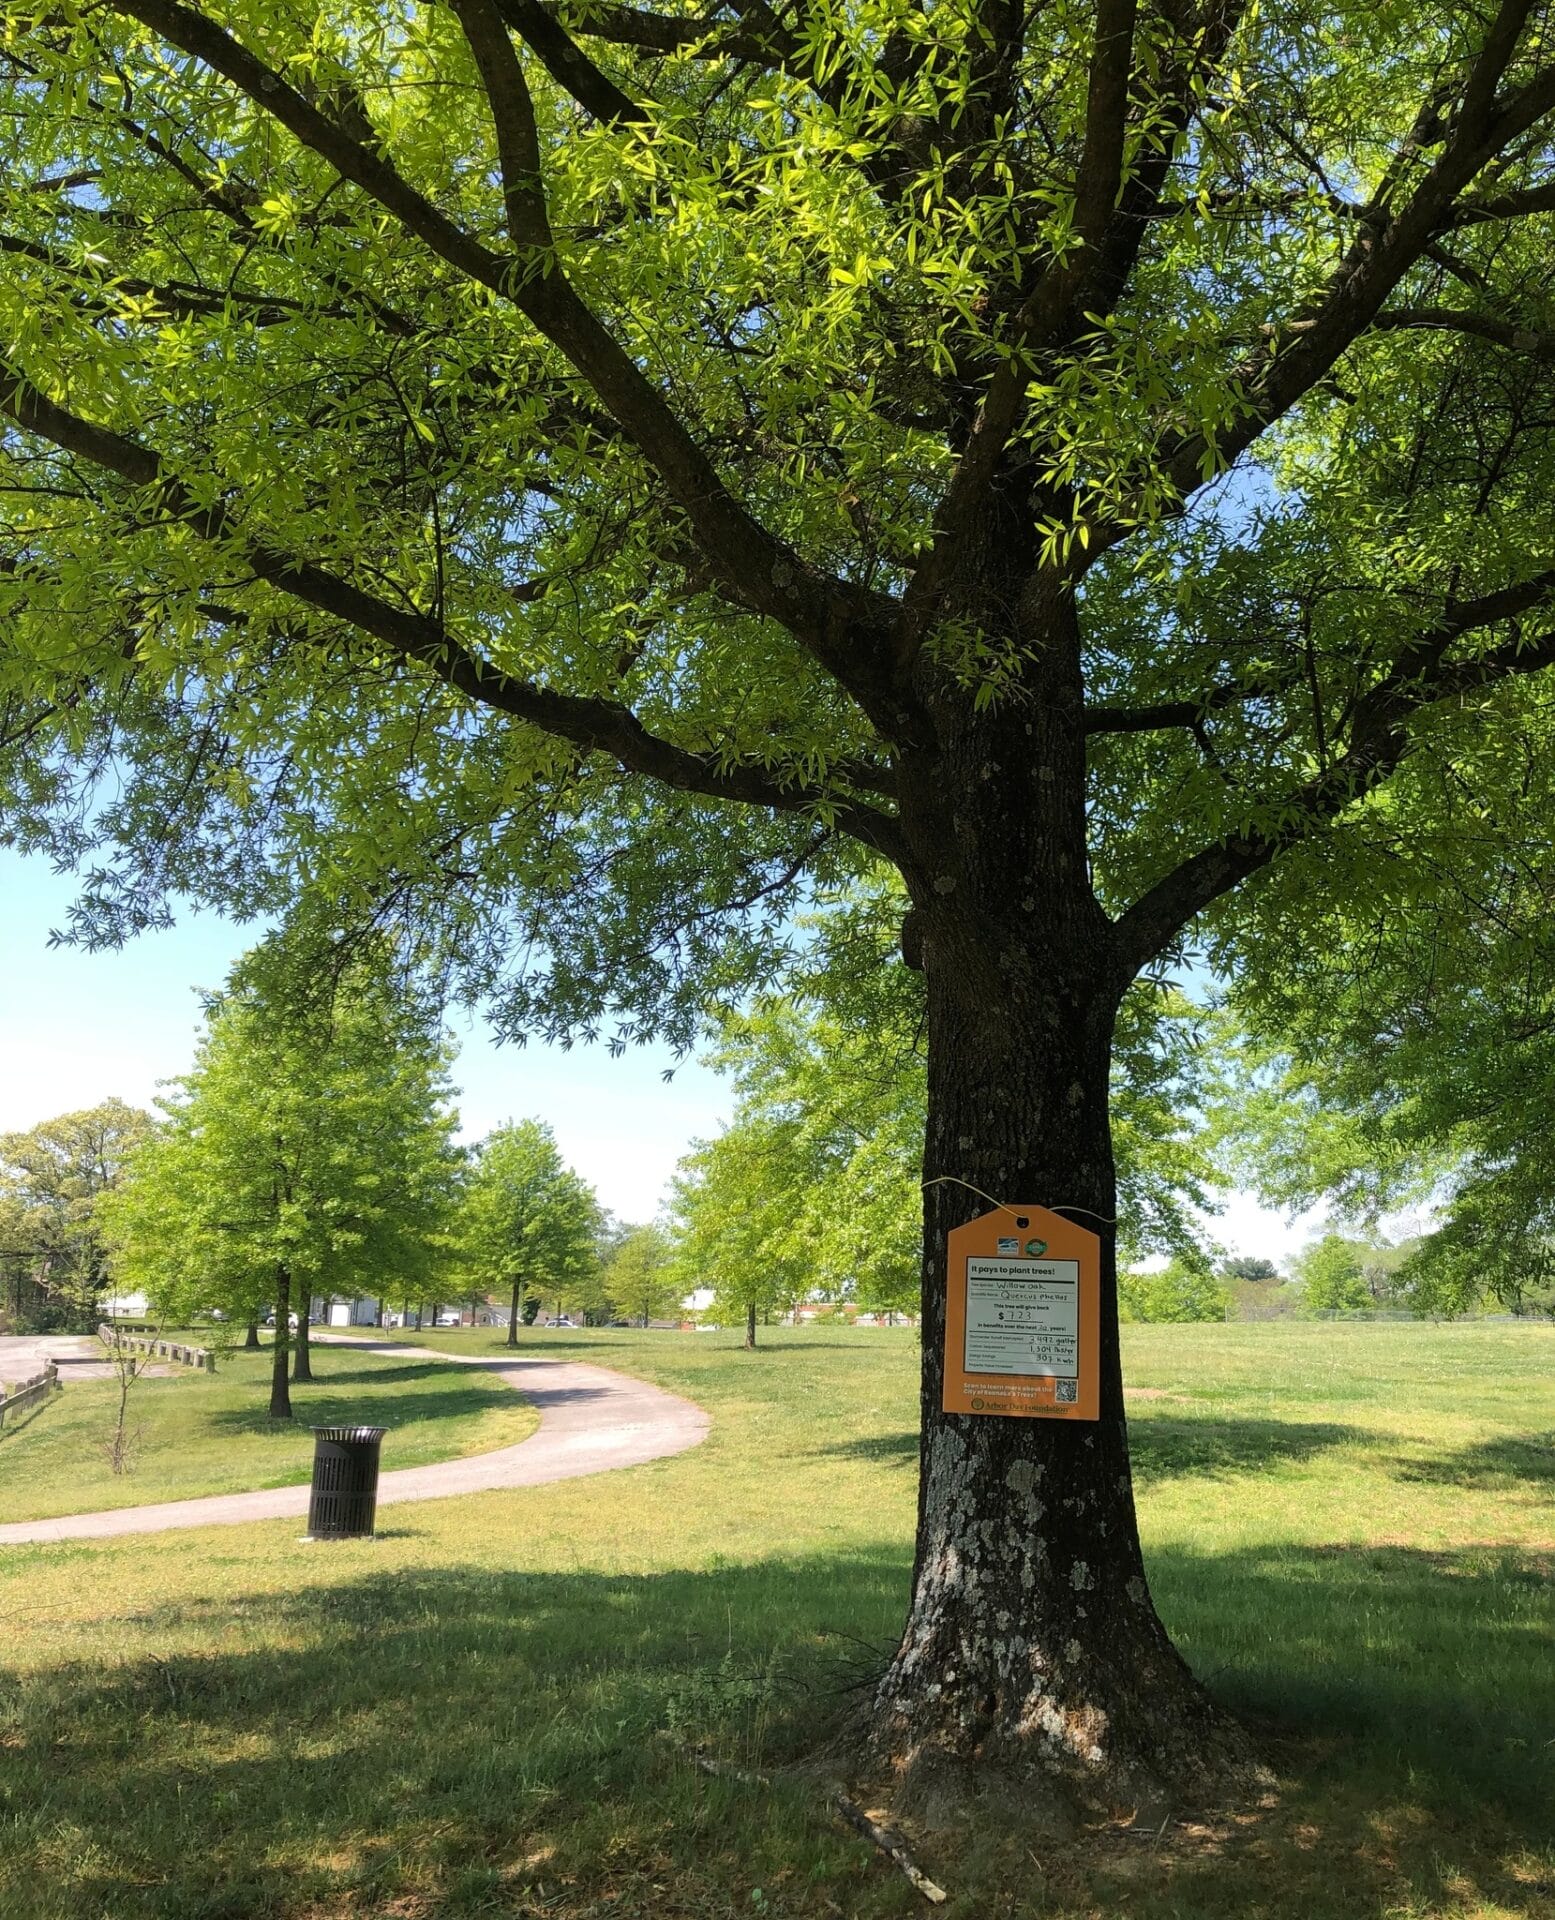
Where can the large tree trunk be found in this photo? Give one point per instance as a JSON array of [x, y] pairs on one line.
[[1032, 1649], [750, 1326], [251, 1337], [302, 1362], [280, 1393], [512, 1339]]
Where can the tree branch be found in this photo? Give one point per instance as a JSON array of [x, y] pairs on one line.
[[670, 33], [569, 66], [848, 629], [592, 725], [1178, 713], [183, 302], [1506, 206], [1379, 741], [1501, 333], [1387, 243]]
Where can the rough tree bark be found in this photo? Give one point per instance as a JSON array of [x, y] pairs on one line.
[[280, 1393], [251, 1337], [512, 1339], [302, 1360], [1032, 1646], [750, 1326]]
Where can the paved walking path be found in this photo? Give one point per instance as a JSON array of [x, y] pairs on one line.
[[591, 1419], [79, 1356]]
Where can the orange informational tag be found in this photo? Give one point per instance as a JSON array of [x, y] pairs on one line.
[[1023, 1317]]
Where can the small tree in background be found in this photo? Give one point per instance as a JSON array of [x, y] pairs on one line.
[[1185, 1289], [1242, 1266], [311, 1146], [52, 1180], [734, 1225], [529, 1222], [1332, 1276], [641, 1281]]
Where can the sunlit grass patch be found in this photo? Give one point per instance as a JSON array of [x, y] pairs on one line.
[[489, 1709]]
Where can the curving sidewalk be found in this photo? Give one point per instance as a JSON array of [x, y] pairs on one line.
[[591, 1419]]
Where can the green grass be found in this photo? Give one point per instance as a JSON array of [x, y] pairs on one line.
[[204, 1433], [482, 1711]]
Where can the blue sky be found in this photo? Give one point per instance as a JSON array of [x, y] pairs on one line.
[[78, 1027]]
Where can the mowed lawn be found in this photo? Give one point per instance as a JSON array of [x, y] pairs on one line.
[[488, 1709], [197, 1433]]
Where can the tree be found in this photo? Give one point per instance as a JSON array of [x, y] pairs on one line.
[[1184, 1289], [1250, 1268], [310, 1147], [733, 1218], [1332, 1278], [580, 480], [1418, 1067], [52, 1181], [529, 1221], [639, 1281]]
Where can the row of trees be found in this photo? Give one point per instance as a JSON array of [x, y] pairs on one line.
[[311, 1149], [312, 1146]]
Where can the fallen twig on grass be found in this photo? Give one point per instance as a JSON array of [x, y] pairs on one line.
[[889, 1845], [888, 1842]]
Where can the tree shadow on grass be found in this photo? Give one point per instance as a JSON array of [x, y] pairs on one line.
[[1163, 1446], [1166, 1446], [367, 1395], [484, 1740], [1508, 1460]]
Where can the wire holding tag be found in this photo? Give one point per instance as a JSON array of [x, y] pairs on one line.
[[955, 1180]]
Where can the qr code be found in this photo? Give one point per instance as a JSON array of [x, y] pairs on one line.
[[1066, 1392]]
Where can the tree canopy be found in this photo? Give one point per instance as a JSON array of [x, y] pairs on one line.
[[52, 1180], [528, 1222], [308, 1150], [580, 479], [640, 1280]]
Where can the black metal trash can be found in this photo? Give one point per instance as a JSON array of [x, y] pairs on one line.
[[345, 1482]]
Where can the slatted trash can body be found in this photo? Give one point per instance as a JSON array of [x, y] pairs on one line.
[[344, 1498]]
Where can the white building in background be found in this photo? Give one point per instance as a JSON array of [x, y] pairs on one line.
[[338, 1310], [124, 1306]]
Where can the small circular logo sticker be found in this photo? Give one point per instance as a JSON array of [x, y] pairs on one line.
[[1036, 1248]]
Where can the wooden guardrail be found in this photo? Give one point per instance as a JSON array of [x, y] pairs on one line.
[[39, 1387], [174, 1350]]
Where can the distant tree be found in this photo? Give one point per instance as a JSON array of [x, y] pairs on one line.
[[1242, 1266], [528, 1223], [310, 1147], [1185, 1289], [640, 1281], [733, 1222], [1490, 1248], [829, 1117], [52, 1181], [1332, 1276]]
